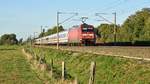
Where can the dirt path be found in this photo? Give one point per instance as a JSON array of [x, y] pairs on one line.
[[29, 57]]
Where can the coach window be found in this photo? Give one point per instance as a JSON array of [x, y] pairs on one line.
[[62, 35]]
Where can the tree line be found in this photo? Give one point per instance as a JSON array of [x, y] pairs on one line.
[[135, 28], [9, 39], [50, 31]]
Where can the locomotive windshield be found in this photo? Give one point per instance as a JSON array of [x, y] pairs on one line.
[[87, 29]]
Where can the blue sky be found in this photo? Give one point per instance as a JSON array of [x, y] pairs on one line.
[[23, 17]]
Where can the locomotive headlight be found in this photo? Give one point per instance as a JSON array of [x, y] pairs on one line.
[[91, 35], [84, 34], [88, 35]]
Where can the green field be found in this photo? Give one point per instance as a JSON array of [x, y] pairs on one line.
[[109, 70], [14, 69]]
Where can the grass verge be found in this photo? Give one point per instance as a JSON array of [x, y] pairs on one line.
[[14, 69], [109, 70]]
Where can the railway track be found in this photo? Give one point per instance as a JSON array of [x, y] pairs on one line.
[[132, 52]]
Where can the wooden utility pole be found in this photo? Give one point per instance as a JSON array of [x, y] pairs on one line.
[[51, 68], [76, 80], [92, 72], [63, 71]]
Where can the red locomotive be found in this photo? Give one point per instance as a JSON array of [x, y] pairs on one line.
[[82, 34]]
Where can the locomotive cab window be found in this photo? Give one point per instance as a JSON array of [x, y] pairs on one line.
[[87, 29], [84, 29]]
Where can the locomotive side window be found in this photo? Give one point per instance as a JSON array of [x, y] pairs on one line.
[[62, 35]]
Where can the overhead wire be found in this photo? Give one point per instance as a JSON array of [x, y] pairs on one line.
[[113, 4]]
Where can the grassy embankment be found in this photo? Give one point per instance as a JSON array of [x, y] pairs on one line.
[[109, 70], [14, 68]]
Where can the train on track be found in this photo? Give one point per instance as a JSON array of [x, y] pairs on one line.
[[82, 35]]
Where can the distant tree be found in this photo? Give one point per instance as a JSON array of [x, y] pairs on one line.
[[137, 26], [146, 31], [52, 31], [0, 42], [9, 39], [106, 32], [20, 41], [42, 34]]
